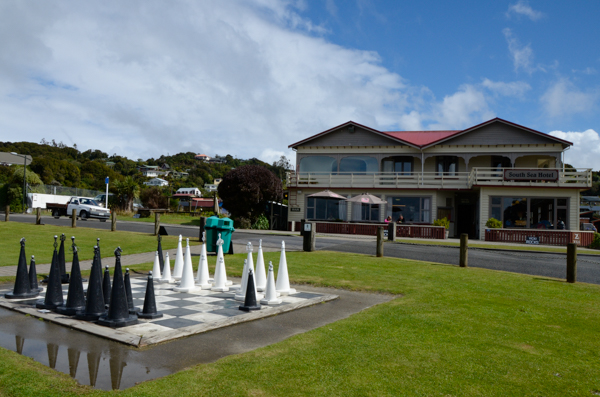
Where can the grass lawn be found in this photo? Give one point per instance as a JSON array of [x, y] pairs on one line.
[[453, 332], [174, 219], [39, 241]]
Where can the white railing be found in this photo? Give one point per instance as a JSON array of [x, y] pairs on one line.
[[430, 180]]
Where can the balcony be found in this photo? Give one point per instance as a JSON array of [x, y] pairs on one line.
[[578, 178]]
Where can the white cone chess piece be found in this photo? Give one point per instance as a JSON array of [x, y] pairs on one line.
[[271, 292], [283, 280], [156, 268], [187, 283], [178, 268], [220, 276], [248, 266], [202, 279], [220, 243], [260, 277], [166, 276]]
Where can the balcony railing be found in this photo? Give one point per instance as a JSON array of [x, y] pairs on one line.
[[431, 180]]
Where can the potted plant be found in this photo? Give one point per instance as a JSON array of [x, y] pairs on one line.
[[493, 223], [442, 222]]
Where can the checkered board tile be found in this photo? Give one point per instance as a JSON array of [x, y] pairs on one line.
[[183, 313]]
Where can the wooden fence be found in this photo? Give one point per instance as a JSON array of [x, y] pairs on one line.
[[546, 237], [370, 229]]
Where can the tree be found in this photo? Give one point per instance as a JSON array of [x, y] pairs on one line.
[[127, 191], [246, 190], [153, 197]]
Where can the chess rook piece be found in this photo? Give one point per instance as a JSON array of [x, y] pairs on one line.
[[283, 281], [95, 304], [118, 312], [261, 277], [250, 301], [75, 297], [132, 309], [54, 293], [22, 288], [149, 311], [271, 292]]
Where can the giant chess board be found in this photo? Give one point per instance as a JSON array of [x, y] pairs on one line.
[[184, 314]]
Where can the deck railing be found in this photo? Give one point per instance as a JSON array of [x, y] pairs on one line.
[[430, 180], [370, 229]]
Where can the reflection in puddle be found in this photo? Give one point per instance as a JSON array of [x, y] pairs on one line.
[[109, 364]]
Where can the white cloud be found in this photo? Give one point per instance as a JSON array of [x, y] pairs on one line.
[[522, 56], [514, 88], [466, 107], [524, 9], [585, 152], [562, 98]]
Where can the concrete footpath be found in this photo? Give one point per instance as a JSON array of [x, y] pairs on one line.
[[126, 260]]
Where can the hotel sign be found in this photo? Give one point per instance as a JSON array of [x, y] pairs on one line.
[[531, 175]]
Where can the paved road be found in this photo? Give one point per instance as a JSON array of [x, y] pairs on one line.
[[533, 263]]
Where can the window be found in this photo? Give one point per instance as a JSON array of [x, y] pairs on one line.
[[402, 165], [530, 212], [409, 209], [447, 165], [322, 164], [359, 165], [365, 212], [326, 209]]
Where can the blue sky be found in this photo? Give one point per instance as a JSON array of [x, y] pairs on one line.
[[248, 78]]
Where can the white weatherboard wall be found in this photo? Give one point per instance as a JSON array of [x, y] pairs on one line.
[[39, 200], [572, 195]]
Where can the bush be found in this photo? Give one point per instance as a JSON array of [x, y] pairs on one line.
[[242, 223], [153, 197], [262, 223], [596, 242], [493, 223], [442, 222]]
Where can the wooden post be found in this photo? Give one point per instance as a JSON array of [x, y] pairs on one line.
[[113, 221], [74, 218], [7, 213], [38, 216], [156, 223], [202, 227], [379, 242], [464, 250], [571, 263], [392, 231], [308, 243]]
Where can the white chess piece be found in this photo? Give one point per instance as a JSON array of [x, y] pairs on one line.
[[166, 276], [156, 268], [202, 279], [283, 280], [260, 276], [271, 292], [178, 268]]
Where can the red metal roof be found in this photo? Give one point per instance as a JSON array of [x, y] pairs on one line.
[[421, 138]]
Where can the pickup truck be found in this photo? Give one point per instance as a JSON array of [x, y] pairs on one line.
[[86, 208]]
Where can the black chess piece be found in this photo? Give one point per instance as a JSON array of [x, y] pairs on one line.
[[149, 311], [33, 281], [161, 259], [118, 312], [106, 286], [75, 297], [64, 277], [250, 298], [94, 305], [22, 288], [54, 293], [132, 309]]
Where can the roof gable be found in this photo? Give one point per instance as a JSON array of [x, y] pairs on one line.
[[498, 132]]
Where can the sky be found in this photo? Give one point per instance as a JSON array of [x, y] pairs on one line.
[[145, 78]]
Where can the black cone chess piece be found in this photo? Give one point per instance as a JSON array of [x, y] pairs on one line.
[[149, 311], [64, 277], [94, 305], [161, 258], [118, 312], [54, 293], [22, 288], [132, 309], [33, 281], [250, 300], [106, 286], [75, 297]]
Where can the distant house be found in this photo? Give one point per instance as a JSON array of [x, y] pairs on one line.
[[156, 182], [218, 160], [179, 175], [202, 157], [212, 187], [150, 171]]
